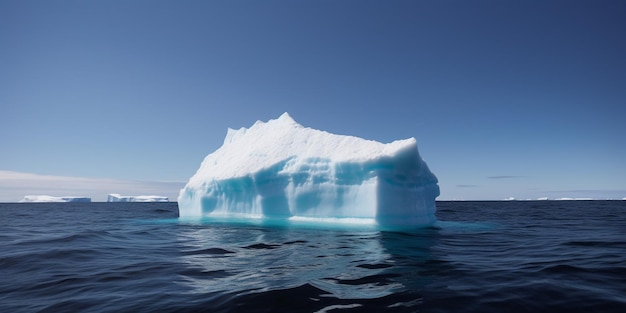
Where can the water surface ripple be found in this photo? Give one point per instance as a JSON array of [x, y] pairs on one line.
[[514, 256]]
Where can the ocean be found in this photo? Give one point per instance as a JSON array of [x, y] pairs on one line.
[[495, 256]]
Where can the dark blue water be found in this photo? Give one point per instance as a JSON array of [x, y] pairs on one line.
[[543, 256]]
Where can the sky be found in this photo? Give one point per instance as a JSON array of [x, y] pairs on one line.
[[507, 99]]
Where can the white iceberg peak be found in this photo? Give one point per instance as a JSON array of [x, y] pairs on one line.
[[286, 118], [264, 144]]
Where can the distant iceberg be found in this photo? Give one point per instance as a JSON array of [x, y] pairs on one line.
[[114, 197], [281, 169], [44, 198]]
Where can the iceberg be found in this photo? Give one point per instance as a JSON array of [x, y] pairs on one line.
[[114, 197], [45, 198], [281, 169], [574, 199]]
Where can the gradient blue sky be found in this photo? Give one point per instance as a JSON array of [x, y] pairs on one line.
[[521, 99]]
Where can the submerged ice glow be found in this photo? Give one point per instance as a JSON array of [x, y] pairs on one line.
[[281, 169]]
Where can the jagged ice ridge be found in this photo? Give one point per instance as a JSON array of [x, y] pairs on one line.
[[281, 169]]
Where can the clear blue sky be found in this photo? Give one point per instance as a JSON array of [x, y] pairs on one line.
[[521, 99]]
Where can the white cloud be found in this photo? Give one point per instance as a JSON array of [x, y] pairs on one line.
[[15, 185]]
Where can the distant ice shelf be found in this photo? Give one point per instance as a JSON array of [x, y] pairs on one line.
[[114, 197], [572, 199], [281, 169], [45, 198]]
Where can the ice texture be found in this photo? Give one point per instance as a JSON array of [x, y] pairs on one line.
[[281, 169], [114, 197], [45, 198]]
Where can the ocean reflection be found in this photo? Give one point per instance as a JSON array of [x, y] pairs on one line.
[[239, 259]]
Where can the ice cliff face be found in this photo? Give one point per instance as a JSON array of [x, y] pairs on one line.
[[281, 169], [114, 197]]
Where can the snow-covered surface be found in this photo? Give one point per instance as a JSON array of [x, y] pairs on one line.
[[114, 197], [280, 168], [45, 198]]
